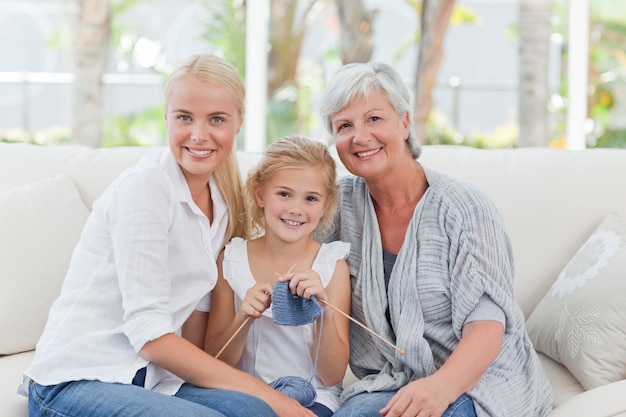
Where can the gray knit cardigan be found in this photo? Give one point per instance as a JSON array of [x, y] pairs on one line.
[[456, 249]]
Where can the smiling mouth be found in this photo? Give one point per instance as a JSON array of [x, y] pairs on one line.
[[367, 153], [292, 223], [199, 152]]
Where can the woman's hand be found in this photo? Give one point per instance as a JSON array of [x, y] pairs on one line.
[[480, 344], [425, 397], [258, 299], [306, 284]]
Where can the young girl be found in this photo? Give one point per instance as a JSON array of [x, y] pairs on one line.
[[145, 260], [292, 194]]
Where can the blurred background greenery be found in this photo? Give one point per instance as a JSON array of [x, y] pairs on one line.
[[294, 81]]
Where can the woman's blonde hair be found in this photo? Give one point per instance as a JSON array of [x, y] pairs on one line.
[[215, 70], [292, 152]]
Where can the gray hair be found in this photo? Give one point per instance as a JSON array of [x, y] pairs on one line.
[[360, 80]]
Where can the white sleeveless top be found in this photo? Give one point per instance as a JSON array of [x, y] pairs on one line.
[[272, 351]]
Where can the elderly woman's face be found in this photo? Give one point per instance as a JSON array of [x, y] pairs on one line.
[[369, 136]]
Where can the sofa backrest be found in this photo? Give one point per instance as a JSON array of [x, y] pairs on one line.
[[91, 169], [551, 200]]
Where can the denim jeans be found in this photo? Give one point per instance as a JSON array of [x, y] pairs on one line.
[[101, 399], [368, 404], [321, 410]]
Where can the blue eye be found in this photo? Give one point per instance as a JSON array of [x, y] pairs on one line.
[[342, 126]]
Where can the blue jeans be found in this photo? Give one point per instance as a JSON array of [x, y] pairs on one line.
[[368, 404], [101, 399], [321, 410]]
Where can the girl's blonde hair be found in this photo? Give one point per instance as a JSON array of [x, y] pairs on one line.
[[215, 70], [292, 152]]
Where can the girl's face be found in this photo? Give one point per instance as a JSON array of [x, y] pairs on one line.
[[294, 201], [369, 136], [202, 122]]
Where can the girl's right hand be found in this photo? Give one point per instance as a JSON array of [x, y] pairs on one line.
[[258, 299]]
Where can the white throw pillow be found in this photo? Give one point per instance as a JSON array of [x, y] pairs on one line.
[[40, 224], [581, 321]]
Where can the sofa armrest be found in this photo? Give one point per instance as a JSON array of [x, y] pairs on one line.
[[605, 401]]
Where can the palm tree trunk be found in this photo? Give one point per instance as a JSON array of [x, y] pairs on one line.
[[91, 44], [435, 19], [356, 31], [534, 39]]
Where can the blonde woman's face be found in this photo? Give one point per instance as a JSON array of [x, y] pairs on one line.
[[202, 122]]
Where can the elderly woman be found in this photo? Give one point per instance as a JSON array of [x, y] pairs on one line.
[[431, 269]]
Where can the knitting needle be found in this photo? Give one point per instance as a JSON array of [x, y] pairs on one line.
[[243, 324], [232, 337], [401, 351]]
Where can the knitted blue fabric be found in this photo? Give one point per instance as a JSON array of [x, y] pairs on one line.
[[292, 310]]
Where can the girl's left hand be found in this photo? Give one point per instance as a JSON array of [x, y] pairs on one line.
[[306, 284]]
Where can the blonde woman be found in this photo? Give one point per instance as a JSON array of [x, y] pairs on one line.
[[145, 261]]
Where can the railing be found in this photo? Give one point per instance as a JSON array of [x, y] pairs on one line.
[[455, 85], [29, 79]]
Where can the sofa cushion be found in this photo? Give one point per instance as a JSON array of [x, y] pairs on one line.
[[12, 367], [564, 385], [580, 321], [40, 223]]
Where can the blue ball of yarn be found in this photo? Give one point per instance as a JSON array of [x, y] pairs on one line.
[[297, 388]]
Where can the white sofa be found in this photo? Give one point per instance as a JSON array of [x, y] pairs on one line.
[[551, 200]]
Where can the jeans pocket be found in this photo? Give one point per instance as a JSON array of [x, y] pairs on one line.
[[40, 397], [36, 399]]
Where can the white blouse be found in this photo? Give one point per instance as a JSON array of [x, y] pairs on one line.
[[271, 350], [145, 260]]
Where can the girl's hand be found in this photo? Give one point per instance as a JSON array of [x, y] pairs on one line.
[[306, 284], [258, 299]]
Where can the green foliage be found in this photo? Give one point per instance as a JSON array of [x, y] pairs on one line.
[[281, 115], [289, 108], [61, 37], [607, 10], [459, 16], [226, 30], [119, 7], [50, 136], [144, 128], [611, 138], [607, 60], [440, 132]]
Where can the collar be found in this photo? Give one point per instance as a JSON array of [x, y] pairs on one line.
[[183, 194]]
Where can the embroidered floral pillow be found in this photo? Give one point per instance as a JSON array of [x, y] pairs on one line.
[[581, 321]]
